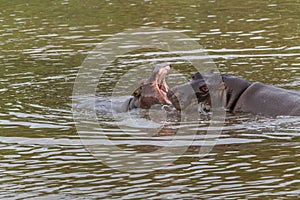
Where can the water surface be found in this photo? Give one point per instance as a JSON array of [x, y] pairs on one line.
[[42, 46]]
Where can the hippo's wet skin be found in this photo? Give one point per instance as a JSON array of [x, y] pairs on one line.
[[236, 95], [151, 91]]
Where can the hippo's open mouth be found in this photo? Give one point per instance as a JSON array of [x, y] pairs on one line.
[[159, 83], [153, 90]]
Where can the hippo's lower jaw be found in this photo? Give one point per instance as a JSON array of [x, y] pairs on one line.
[[152, 94]]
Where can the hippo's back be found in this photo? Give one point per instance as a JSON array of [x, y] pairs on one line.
[[268, 100]]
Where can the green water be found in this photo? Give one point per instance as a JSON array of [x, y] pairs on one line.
[[44, 43]]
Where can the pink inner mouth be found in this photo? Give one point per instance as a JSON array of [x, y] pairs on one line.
[[154, 90], [161, 86]]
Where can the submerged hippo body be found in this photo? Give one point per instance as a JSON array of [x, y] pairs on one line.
[[238, 95], [151, 91]]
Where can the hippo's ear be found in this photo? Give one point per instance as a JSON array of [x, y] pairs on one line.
[[197, 75]]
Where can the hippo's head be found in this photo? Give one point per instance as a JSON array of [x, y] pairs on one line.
[[198, 90], [153, 90]]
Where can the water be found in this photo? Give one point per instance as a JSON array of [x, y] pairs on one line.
[[42, 46]]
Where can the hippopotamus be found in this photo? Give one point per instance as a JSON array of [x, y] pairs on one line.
[[236, 95], [151, 91]]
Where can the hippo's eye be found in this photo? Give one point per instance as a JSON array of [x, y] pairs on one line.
[[204, 88]]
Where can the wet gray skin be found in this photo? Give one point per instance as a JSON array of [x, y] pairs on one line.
[[191, 93], [236, 95]]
